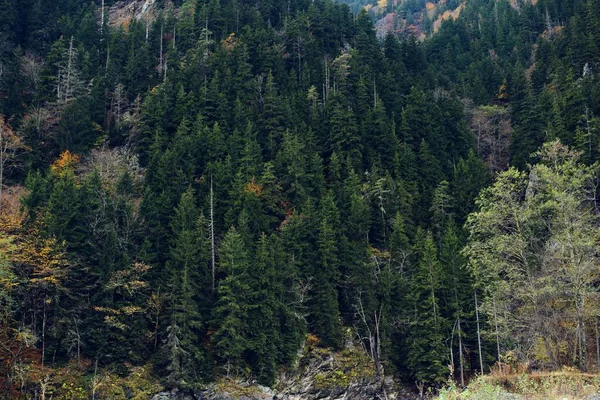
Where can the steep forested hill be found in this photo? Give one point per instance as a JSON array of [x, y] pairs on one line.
[[201, 189]]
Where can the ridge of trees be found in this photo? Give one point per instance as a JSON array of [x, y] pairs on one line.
[[205, 189]]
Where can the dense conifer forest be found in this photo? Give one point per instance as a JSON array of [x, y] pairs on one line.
[[205, 191]]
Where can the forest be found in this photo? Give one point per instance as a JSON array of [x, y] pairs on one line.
[[204, 191]]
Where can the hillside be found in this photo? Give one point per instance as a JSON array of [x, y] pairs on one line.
[[408, 17], [193, 194]]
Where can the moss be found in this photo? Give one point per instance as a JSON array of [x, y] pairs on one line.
[[236, 389], [349, 366]]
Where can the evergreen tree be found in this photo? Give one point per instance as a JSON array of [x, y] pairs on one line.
[[186, 281], [231, 321], [426, 353]]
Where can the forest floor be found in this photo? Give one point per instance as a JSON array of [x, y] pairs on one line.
[[561, 385]]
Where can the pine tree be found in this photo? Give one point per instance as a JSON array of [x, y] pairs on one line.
[[263, 325], [426, 354], [325, 314], [186, 280], [231, 322]]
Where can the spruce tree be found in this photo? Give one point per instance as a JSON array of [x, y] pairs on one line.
[[426, 356], [186, 283], [231, 324]]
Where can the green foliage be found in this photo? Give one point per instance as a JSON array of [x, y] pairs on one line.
[[531, 246], [231, 310], [426, 354], [331, 153]]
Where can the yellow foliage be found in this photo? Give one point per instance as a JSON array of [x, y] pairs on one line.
[[254, 188], [382, 4], [312, 340], [502, 92], [66, 162], [138, 385], [127, 282], [229, 42]]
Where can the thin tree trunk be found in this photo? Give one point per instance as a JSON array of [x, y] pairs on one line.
[[160, 55], [44, 335], [478, 333], [102, 21], [460, 355], [452, 349], [597, 345], [212, 233], [78, 341], [497, 334]]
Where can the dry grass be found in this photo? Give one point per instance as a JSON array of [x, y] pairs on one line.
[[567, 384]]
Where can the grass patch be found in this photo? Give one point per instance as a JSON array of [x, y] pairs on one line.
[[564, 384]]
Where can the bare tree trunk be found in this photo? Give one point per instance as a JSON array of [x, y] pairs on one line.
[[452, 350], [374, 337], [3, 152], [460, 355], [95, 380], [102, 20], [78, 341], [497, 334], [378, 367], [375, 96], [597, 345], [478, 333], [44, 335], [160, 55], [107, 58], [212, 233]]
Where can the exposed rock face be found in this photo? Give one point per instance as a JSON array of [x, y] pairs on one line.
[[215, 392], [319, 374], [123, 12]]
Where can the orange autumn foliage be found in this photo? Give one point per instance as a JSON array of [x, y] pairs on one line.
[[254, 188], [229, 42], [66, 162]]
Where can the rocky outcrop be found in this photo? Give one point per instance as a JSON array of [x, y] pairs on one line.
[[321, 374], [318, 374], [233, 391], [123, 12]]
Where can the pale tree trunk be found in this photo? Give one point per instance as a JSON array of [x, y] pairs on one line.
[[497, 334], [212, 234], [452, 350], [597, 346], [460, 355], [44, 318], [102, 20], [478, 333], [374, 337], [160, 55], [3, 154]]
